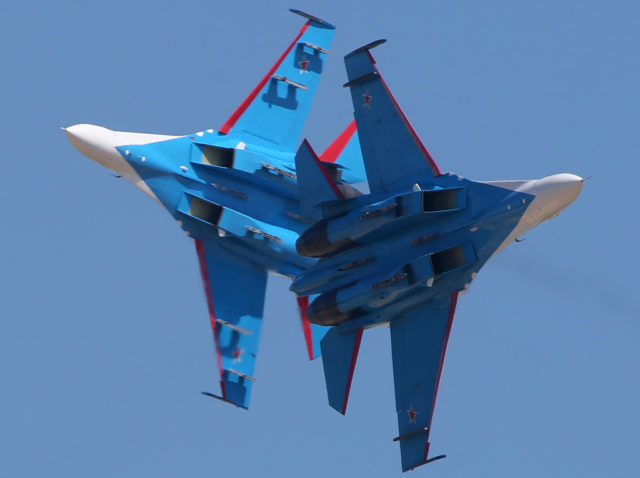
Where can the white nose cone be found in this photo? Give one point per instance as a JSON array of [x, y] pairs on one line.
[[97, 143], [552, 195]]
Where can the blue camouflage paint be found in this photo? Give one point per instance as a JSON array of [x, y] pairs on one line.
[[234, 191], [401, 254]]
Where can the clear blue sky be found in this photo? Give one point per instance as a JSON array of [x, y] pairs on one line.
[[104, 338]]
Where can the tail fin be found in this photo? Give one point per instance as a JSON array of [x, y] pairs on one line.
[[339, 355], [313, 333], [315, 184], [345, 151]]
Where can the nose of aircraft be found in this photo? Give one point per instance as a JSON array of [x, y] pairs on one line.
[[552, 195], [97, 143]]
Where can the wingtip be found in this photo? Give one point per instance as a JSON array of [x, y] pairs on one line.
[[223, 399], [425, 462], [320, 21], [366, 47]]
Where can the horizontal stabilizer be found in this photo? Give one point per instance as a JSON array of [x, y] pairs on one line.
[[339, 355], [315, 184]]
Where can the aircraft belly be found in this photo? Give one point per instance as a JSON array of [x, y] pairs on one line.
[[268, 245]]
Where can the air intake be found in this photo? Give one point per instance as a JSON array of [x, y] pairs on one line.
[[205, 210], [447, 260]]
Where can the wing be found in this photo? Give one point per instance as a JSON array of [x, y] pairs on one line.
[[274, 112], [235, 292], [418, 345], [393, 154]]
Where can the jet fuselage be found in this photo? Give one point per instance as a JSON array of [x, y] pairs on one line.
[[214, 187], [410, 247]]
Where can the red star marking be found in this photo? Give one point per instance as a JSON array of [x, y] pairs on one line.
[[237, 355], [412, 414], [367, 100], [303, 65]]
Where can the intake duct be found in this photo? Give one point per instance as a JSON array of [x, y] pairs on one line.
[[448, 259], [314, 242], [439, 200], [216, 156], [324, 310], [205, 210]]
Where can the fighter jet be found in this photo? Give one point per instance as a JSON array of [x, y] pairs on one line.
[[234, 192], [400, 255]]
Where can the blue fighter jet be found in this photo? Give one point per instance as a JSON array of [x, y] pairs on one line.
[[234, 192], [400, 255]]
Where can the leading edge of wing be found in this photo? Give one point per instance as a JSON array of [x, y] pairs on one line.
[[235, 291], [276, 116], [418, 347], [391, 149]]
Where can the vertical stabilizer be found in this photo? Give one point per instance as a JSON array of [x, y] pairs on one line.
[[315, 184], [339, 355], [313, 333]]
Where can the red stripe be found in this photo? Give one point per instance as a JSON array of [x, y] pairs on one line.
[[452, 311], [430, 161], [303, 302], [373, 62], [335, 149], [354, 357], [332, 184], [226, 127], [212, 318]]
